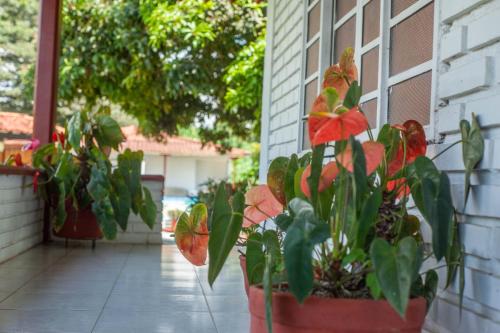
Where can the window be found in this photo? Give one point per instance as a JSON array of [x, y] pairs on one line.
[[393, 42]]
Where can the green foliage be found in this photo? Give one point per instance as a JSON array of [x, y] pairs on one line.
[[276, 178], [18, 33], [395, 268], [170, 63], [472, 149], [79, 170], [225, 229]]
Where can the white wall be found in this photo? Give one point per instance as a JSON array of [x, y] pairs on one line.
[[20, 216], [280, 114], [181, 173], [469, 81], [153, 164], [213, 168]]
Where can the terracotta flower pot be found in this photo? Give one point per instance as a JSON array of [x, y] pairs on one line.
[[81, 224], [322, 315], [243, 264]]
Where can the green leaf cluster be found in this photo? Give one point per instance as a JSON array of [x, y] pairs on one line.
[[78, 171]]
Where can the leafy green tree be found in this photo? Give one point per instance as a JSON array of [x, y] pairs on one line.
[[18, 28], [171, 64]]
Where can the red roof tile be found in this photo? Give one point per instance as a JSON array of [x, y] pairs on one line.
[[16, 123], [22, 124], [174, 146]]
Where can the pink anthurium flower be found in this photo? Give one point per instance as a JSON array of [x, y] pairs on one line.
[[261, 205], [34, 144], [374, 153], [328, 175]]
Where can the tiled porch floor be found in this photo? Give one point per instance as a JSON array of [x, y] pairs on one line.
[[118, 288]]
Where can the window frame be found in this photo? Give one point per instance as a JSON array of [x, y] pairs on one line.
[[328, 26]]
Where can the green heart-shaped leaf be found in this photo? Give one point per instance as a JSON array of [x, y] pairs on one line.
[[395, 269]]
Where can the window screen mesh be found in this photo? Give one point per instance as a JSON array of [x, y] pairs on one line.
[[371, 21], [311, 92], [313, 21], [370, 110], [411, 99], [411, 40], [342, 7], [344, 37], [312, 59], [369, 71], [397, 6]]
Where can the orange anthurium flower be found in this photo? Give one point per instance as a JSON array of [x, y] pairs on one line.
[[400, 185], [330, 121], [374, 153], [261, 205], [328, 175], [416, 145], [191, 235], [340, 75]]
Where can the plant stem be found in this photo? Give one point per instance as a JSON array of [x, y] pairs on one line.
[[446, 149]]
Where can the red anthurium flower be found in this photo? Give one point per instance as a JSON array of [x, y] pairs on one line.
[[400, 186], [328, 175], [261, 205], [416, 145], [54, 137], [191, 235], [330, 121], [62, 138], [35, 181], [18, 160], [340, 75], [374, 153]]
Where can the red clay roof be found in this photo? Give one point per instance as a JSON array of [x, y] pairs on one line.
[[174, 146], [16, 123], [22, 124]]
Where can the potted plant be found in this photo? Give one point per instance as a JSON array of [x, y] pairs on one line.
[[89, 197], [347, 253]]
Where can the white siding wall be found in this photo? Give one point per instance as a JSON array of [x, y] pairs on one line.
[[468, 81], [211, 168], [153, 164], [181, 173], [20, 216], [283, 59]]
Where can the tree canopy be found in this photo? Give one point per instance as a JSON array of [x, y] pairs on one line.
[[171, 64], [18, 26]]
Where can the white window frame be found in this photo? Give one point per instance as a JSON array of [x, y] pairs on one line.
[[385, 81]]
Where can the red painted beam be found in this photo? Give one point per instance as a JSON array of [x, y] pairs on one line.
[[47, 67]]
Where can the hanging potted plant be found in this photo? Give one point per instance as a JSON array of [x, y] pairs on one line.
[[89, 198], [347, 251]]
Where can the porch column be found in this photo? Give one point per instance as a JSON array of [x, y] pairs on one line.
[[47, 65]]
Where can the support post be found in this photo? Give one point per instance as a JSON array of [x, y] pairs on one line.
[[47, 67]]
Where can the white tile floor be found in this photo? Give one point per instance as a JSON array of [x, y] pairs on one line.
[[118, 288]]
